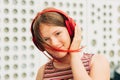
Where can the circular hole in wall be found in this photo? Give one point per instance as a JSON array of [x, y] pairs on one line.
[[15, 2], [6, 58], [119, 19], [23, 2], [6, 11], [119, 8], [15, 29], [6, 29], [111, 53], [15, 75], [6, 20], [31, 3], [15, 11], [6, 1], [93, 42], [6, 67], [23, 11], [7, 76], [15, 66], [24, 74], [6, 48]]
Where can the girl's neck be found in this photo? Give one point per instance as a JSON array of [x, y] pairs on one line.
[[62, 63]]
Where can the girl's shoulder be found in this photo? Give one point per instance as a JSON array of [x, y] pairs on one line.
[[95, 59], [40, 73], [100, 67], [94, 56], [99, 59], [41, 70]]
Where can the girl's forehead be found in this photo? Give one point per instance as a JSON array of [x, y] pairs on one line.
[[45, 27], [47, 30]]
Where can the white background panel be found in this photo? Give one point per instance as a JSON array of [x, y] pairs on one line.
[[20, 59]]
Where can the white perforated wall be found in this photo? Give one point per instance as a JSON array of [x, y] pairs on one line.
[[20, 59]]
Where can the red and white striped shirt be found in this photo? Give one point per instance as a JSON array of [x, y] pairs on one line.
[[52, 73]]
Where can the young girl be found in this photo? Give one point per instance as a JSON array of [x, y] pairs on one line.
[[56, 33]]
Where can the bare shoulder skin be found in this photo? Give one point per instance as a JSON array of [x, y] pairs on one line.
[[40, 73], [100, 68]]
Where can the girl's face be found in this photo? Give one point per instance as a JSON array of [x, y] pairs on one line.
[[57, 37]]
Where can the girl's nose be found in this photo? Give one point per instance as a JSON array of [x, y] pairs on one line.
[[55, 42]]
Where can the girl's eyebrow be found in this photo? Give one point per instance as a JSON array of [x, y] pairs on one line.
[[57, 31]]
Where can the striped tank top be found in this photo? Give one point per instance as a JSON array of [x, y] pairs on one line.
[[52, 73]]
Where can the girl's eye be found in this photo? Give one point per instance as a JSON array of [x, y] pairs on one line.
[[58, 33], [46, 39]]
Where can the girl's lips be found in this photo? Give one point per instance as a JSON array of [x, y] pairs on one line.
[[59, 48]]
